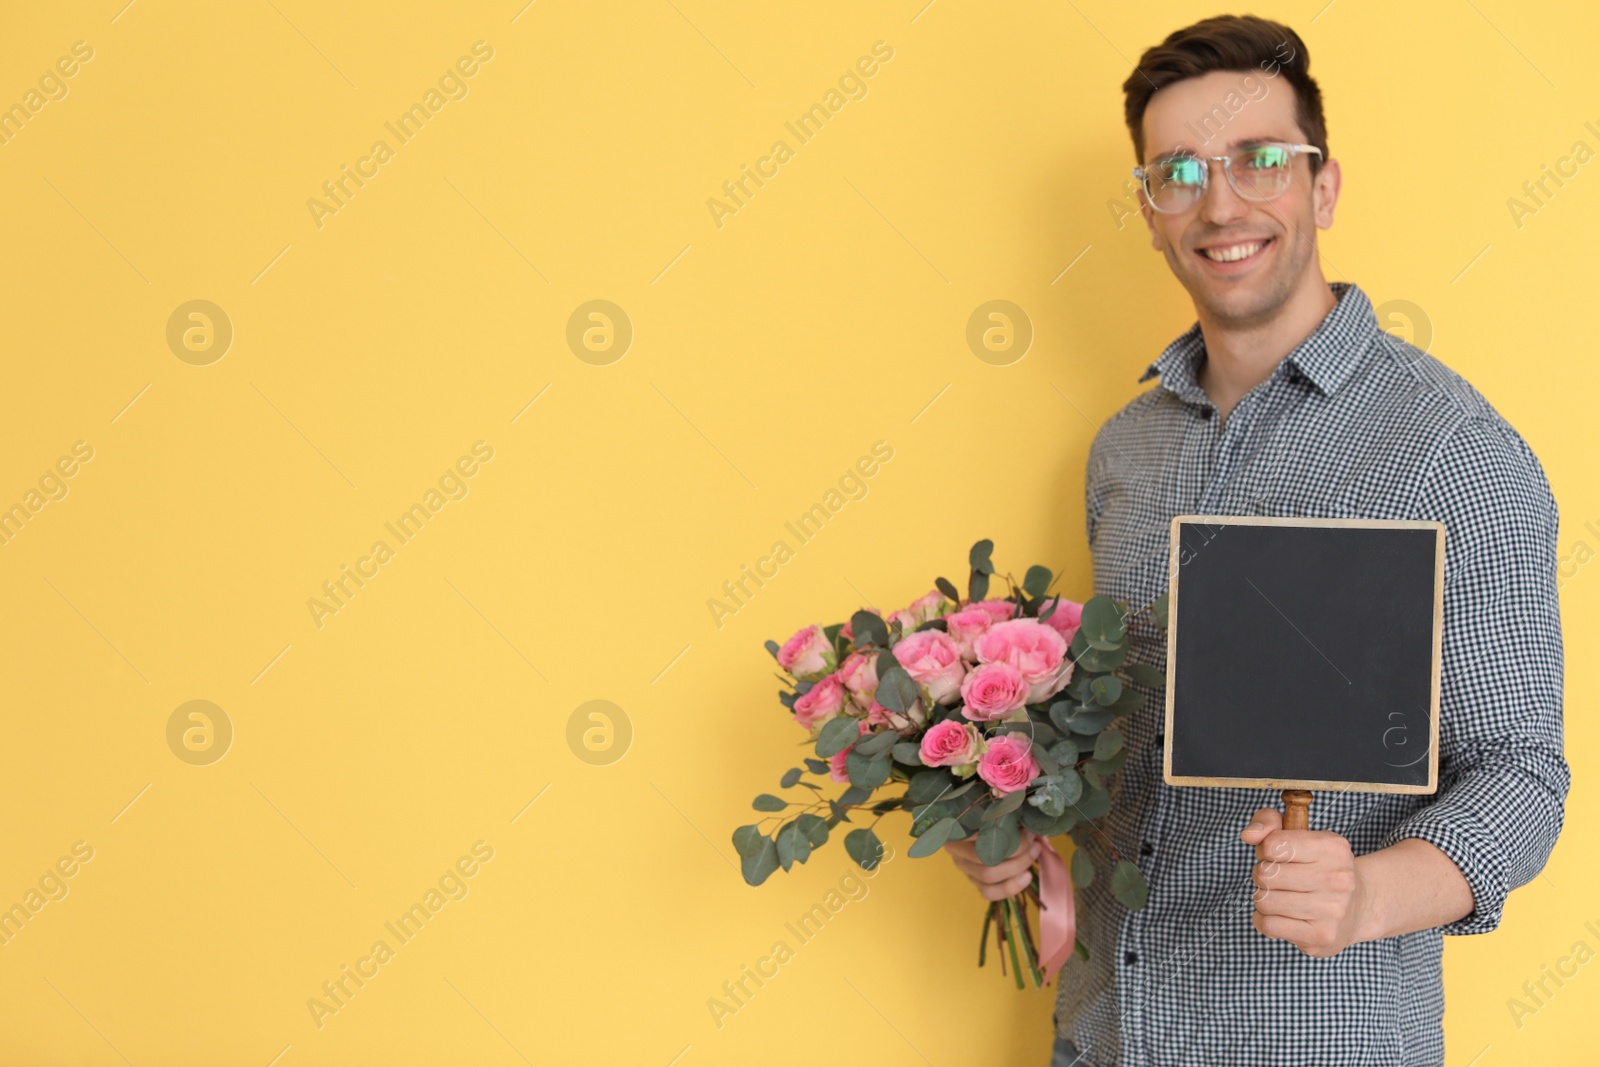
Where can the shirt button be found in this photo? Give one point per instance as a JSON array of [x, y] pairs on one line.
[[1146, 849], [1132, 957], [1161, 739]]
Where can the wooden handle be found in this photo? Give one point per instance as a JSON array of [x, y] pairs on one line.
[[1297, 809]]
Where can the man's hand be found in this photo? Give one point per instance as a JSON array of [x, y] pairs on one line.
[[1311, 890], [1010, 877]]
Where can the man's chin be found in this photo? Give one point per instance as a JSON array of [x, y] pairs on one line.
[[1236, 305]]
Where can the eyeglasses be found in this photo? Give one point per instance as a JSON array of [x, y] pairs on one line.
[[1260, 172]]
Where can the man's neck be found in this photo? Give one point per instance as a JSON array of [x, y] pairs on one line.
[[1240, 357]]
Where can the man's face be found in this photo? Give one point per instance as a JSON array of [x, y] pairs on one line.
[[1237, 108]]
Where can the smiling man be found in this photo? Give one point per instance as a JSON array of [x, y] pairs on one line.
[[1259, 945]]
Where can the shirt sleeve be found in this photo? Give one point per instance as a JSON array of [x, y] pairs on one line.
[[1092, 489], [1503, 776]]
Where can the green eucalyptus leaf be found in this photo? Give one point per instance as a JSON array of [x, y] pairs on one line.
[[978, 586], [1041, 756], [978, 557], [929, 784], [854, 795], [747, 840], [908, 752], [768, 802], [885, 662], [1089, 721], [757, 866], [971, 816], [836, 736], [868, 772], [929, 814], [1146, 675], [932, 839], [1036, 581], [896, 690], [1005, 805], [876, 744], [1129, 886], [1102, 662], [1045, 825], [1105, 690], [1065, 752], [999, 839], [1129, 702], [790, 777], [793, 845], [1094, 803], [1107, 745], [1082, 868], [946, 587], [815, 827], [1102, 625], [864, 847], [868, 628], [1110, 764], [1061, 714]]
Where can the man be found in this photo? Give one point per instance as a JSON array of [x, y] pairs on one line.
[[1259, 945]]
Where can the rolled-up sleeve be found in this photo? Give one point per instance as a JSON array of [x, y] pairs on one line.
[[1503, 776]]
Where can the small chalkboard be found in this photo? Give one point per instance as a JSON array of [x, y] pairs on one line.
[[1304, 654]]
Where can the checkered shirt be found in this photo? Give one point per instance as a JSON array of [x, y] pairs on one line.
[[1353, 423]]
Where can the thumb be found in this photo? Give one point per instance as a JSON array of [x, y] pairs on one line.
[[1262, 823]]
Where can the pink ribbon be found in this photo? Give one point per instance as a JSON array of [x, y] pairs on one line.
[[1058, 911]]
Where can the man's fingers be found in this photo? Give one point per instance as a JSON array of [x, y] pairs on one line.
[[1008, 888], [1289, 877], [1281, 927], [979, 871], [1262, 823]]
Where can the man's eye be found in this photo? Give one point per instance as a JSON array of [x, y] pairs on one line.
[[1268, 158], [1182, 171]]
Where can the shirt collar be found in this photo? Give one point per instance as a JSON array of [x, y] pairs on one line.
[[1326, 357]]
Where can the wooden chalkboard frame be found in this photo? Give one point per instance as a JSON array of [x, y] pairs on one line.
[[1432, 784]]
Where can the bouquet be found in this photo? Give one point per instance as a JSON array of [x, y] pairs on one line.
[[993, 714]]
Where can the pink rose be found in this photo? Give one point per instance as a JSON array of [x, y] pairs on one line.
[[994, 690], [1032, 647], [821, 702], [836, 768], [1002, 610], [933, 661], [1066, 619], [1008, 764], [927, 608], [951, 743], [807, 655], [859, 673], [965, 625], [908, 620]]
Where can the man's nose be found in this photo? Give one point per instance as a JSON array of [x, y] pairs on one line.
[[1221, 204]]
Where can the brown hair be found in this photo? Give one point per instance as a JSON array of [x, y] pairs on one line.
[[1232, 43]]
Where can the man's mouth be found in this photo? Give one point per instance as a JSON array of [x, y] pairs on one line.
[[1236, 252]]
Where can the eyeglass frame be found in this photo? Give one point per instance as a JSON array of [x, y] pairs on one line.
[[1143, 175]]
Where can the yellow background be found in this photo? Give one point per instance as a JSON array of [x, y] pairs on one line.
[[768, 354]]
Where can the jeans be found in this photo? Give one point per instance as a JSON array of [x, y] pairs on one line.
[[1066, 1054]]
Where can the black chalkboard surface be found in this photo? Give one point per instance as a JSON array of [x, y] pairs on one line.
[[1304, 653]]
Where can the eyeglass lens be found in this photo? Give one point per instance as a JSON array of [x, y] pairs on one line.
[[1259, 173]]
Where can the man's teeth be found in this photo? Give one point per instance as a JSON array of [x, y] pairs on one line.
[[1232, 252]]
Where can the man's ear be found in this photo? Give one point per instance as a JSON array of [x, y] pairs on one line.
[[1150, 222], [1325, 194]]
